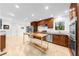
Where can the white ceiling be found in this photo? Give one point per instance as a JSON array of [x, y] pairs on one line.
[[24, 13]]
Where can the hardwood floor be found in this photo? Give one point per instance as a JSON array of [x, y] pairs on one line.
[[15, 47]]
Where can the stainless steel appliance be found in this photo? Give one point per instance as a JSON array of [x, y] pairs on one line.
[[29, 29], [73, 29], [49, 38], [0, 23]]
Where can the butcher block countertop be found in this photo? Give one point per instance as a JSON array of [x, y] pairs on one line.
[[38, 34]]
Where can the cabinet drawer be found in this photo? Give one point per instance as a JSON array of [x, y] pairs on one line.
[[61, 40]]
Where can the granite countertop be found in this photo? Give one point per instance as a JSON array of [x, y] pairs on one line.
[[57, 33]]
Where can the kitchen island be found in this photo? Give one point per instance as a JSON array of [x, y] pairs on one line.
[[36, 39]]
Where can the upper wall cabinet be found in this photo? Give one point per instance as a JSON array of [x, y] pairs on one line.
[[41, 23], [73, 11], [34, 23], [50, 23], [46, 22]]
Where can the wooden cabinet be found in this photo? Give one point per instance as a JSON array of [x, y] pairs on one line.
[[2, 42], [76, 6], [77, 29], [35, 26], [73, 12], [50, 23], [41, 23], [56, 39], [61, 40], [45, 22], [34, 23]]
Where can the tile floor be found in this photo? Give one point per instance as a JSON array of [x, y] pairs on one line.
[[15, 47]]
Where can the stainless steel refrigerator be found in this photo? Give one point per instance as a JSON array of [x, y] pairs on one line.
[[73, 33], [29, 29]]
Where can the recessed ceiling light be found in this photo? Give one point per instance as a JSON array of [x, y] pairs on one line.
[[11, 14], [46, 7], [17, 6], [32, 15]]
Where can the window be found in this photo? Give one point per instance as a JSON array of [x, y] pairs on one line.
[[59, 26]]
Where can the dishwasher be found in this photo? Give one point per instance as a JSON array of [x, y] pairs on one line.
[[49, 38]]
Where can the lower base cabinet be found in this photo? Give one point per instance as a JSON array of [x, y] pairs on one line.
[[2, 42], [62, 40]]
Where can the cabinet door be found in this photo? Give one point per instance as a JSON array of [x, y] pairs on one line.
[[63, 43], [78, 29], [56, 39], [3, 41], [0, 42], [66, 41], [34, 23], [74, 12], [41, 23], [50, 24], [61, 40]]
